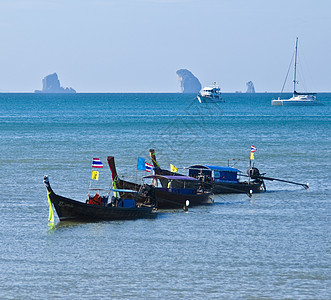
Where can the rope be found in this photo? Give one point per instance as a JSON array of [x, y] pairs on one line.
[[287, 74]]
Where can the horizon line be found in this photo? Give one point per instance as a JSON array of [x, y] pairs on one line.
[[147, 92]]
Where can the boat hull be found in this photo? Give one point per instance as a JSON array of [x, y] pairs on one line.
[[68, 209], [204, 99], [166, 199], [238, 188], [288, 102]]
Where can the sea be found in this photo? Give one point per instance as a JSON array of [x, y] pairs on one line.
[[273, 245]]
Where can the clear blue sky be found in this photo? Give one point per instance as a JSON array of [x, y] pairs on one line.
[[137, 45]]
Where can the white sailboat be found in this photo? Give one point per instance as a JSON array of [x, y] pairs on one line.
[[297, 98]]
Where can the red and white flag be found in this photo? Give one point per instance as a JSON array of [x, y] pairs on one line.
[[96, 163]]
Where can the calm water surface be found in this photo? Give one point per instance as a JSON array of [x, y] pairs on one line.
[[275, 245]]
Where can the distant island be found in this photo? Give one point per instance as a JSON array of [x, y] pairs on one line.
[[188, 82], [51, 84], [250, 87]]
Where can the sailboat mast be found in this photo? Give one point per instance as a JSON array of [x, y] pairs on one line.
[[295, 66]]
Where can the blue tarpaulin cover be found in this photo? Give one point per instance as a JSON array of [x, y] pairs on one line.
[[218, 168]]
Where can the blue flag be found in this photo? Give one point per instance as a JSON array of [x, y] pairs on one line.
[[141, 164]]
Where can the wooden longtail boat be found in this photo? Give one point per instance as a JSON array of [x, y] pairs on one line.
[[97, 208], [218, 180], [163, 196]]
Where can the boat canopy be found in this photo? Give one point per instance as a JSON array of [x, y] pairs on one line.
[[214, 168], [214, 173], [169, 177]]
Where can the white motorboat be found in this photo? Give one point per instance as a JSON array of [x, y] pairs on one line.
[[297, 98], [210, 94]]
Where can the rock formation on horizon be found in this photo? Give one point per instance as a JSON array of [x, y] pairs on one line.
[[250, 87], [188, 82], [51, 84]]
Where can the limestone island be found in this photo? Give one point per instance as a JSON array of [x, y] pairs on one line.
[[250, 87], [188, 82], [51, 84]]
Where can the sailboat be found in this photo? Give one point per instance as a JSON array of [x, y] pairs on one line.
[[297, 98]]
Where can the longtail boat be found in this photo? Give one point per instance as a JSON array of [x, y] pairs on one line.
[[164, 197], [99, 208], [224, 180], [217, 179]]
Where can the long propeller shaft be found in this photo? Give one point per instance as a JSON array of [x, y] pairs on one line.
[[305, 185]]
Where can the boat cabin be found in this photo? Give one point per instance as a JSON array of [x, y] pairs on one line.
[[207, 173], [210, 92]]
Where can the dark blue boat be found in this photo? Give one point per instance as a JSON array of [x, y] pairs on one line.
[[218, 179]]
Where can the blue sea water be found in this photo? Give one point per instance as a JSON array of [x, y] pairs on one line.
[[275, 245]]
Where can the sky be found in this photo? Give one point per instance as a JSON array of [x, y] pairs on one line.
[[138, 45]]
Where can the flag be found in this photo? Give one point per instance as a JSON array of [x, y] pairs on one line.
[[252, 156], [141, 164], [95, 175], [173, 168], [96, 163], [148, 167], [253, 149]]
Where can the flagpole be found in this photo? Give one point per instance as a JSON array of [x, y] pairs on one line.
[[253, 149], [96, 163], [90, 185], [249, 172]]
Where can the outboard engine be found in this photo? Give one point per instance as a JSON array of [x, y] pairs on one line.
[[253, 173]]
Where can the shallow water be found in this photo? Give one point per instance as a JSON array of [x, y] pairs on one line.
[[275, 245]]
